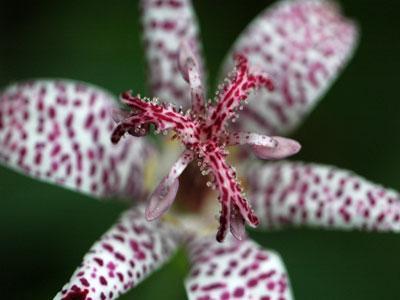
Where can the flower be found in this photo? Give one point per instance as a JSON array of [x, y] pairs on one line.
[[59, 131]]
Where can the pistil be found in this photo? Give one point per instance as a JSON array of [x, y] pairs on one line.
[[203, 132]]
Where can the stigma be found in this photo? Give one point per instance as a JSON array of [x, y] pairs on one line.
[[204, 132]]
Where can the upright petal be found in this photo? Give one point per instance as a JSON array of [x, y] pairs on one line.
[[303, 45], [235, 269], [288, 193], [167, 25], [59, 132], [124, 256]]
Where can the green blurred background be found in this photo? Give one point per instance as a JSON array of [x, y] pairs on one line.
[[46, 230]]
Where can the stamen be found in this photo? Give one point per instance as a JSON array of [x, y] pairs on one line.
[[285, 147], [237, 224], [190, 70], [198, 101], [120, 115], [164, 194], [161, 199], [243, 138]]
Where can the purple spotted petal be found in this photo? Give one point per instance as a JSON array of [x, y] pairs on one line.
[[167, 25], [124, 256], [288, 193], [235, 270], [303, 45], [59, 132]]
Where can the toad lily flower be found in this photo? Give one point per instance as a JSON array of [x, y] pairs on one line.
[[59, 131]]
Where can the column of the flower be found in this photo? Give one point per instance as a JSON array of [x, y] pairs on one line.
[[230, 192], [235, 91], [163, 117]]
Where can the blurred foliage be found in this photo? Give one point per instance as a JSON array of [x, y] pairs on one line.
[[46, 230]]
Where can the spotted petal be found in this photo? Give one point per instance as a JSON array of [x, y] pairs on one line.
[[303, 45], [235, 269], [59, 132], [168, 25], [287, 193], [122, 258]]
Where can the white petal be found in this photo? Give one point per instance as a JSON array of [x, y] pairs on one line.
[[288, 193], [235, 269], [125, 255], [59, 131], [166, 25], [303, 45]]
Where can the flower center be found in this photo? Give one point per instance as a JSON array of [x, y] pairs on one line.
[[193, 190], [203, 132]]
